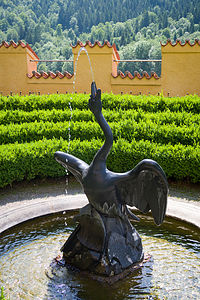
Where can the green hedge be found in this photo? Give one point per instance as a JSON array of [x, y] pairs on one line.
[[59, 115], [127, 129], [114, 102], [26, 161], [54, 115], [34, 127]]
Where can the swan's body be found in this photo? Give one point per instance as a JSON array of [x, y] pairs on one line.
[[109, 193]]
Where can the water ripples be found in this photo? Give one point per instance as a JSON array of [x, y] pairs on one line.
[[26, 254]]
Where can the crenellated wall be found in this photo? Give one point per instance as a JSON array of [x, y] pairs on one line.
[[180, 71], [14, 65]]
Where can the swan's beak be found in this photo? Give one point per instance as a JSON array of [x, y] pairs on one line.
[[61, 158]]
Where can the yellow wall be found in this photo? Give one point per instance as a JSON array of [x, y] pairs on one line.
[[13, 69], [135, 85], [180, 71], [101, 63]]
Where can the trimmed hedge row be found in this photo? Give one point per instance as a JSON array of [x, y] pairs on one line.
[[143, 127], [26, 161], [80, 101], [153, 103], [127, 129], [54, 115], [58, 115]]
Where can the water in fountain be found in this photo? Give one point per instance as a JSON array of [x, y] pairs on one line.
[[69, 141], [26, 251], [70, 106], [75, 69]]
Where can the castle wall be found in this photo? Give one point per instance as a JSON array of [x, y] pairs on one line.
[[129, 84], [13, 69], [180, 71]]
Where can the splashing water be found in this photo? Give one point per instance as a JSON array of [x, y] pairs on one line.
[[69, 141], [75, 68], [70, 107]]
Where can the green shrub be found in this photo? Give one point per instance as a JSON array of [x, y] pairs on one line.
[[34, 127], [2, 295], [54, 115], [59, 115], [29, 160], [127, 129], [80, 101], [35, 102]]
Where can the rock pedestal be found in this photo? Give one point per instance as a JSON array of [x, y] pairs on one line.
[[103, 245]]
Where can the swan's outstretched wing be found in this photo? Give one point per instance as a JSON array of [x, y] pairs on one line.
[[75, 165], [146, 188]]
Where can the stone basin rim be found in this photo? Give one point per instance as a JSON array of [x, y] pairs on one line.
[[16, 214]]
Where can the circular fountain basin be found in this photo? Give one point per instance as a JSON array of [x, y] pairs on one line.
[[28, 249]]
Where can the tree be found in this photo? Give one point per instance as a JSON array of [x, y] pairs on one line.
[[4, 25], [175, 37], [118, 28], [149, 34], [180, 32], [166, 33], [72, 35], [12, 35], [68, 67], [108, 31], [59, 30], [73, 23], [20, 27], [62, 18], [42, 67], [145, 20], [165, 20], [38, 33], [51, 25], [192, 25], [2, 36]]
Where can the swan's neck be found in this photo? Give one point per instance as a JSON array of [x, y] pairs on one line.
[[99, 161]]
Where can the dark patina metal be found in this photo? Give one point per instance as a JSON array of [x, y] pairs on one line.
[[104, 241]]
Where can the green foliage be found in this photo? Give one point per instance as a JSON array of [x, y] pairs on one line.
[[28, 160], [33, 127], [126, 128], [51, 26], [2, 295], [189, 103]]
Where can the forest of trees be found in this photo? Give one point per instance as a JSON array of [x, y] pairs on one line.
[[137, 27]]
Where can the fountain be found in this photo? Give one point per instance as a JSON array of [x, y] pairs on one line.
[[27, 251], [104, 243], [70, 107]]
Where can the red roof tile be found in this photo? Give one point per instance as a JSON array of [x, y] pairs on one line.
[[20, 43], [106, 43], [46, 75], [181, 44], [79, 43], [136, 75]]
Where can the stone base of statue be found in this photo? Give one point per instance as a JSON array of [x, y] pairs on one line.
[[59, 266], [103, 245], [114, 278]]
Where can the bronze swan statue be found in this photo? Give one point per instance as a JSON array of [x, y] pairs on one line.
[[105, 242]]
